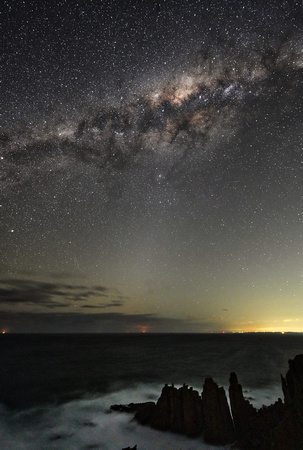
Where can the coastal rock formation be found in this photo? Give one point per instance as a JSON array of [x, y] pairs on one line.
[[289, 432], [177, 410], [132, 407], [219, 428], [193, 416], [293, 385], [243, 413], [278, 426]]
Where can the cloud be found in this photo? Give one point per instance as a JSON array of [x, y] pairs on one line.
[[100, 289], [52, 295], [56, 299], [112, 304], [102, 322], [19, 299]]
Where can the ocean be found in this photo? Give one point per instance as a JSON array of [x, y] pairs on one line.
[[56, 390]]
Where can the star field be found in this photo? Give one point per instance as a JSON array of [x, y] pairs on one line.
[[151, 166]]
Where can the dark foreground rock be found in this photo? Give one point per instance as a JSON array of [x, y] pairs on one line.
[[289, 432], [243, 413], [132, 407], [253, 428], [177, 410], [219, 428], [278, 426]]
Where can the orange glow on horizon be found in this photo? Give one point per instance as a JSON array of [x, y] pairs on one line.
[[275, 326], [144, 328]]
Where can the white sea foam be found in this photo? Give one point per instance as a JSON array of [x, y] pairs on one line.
[[260, 397], [88, 424]]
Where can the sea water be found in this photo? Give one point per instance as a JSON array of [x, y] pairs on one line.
[[56, 390]]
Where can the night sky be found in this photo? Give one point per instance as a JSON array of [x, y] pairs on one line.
[[151, 166]]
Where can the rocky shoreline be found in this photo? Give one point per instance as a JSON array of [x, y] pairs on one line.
[[183, 410]]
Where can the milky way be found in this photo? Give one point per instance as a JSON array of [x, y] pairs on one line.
[[157, 150], [206, 102]]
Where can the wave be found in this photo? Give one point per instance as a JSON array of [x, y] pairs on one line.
[[88, 423]]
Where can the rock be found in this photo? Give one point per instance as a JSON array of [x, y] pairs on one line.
[[289, 432], [278, 426], [219, 428], [287, 398], [132, 407], [288, 435], [122, 408], [193, 419], [177, 410], [161, 417], [130, 448], [243, 413], [254, 428], [294, 381], [145, 413]]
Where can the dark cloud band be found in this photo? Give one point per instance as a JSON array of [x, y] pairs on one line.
[[56, 295]]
